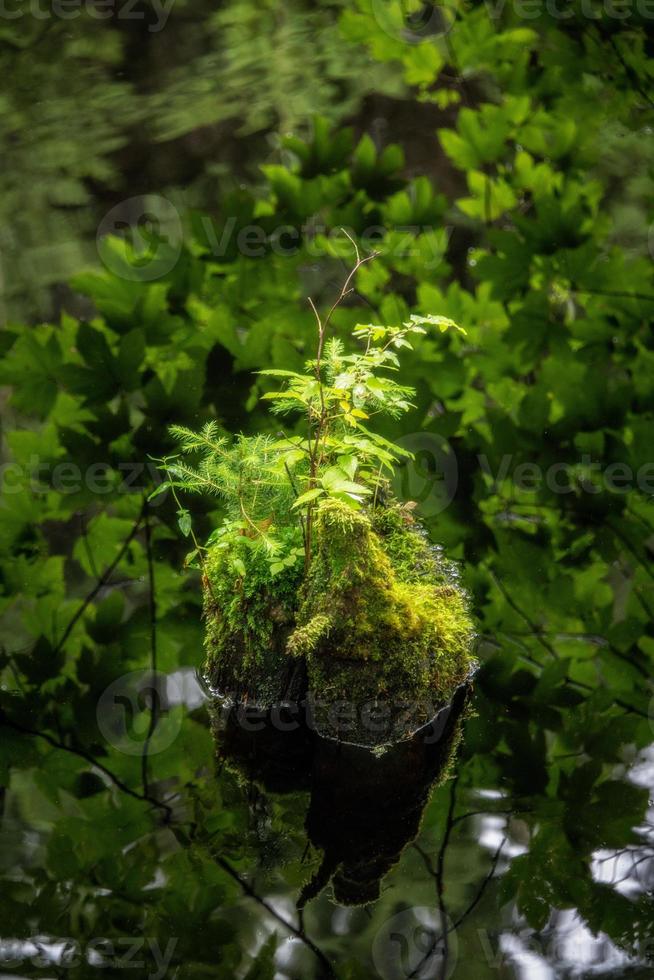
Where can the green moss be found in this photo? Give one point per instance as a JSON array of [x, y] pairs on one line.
[[248, 620], [378, 622], [375, 620], [411, 554]]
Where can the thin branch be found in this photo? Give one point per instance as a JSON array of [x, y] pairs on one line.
[[484, 885], [440, 889], [632, 709], [299, 933], [295, 491], [222, 862], [104, 578], [488, 813], [544, 643], [87, 547], [425, 858], [599, 641], [82, 754], [440, 875], [154, 709], [321, 426]]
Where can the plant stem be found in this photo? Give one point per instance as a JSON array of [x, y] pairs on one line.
[[321, 430]]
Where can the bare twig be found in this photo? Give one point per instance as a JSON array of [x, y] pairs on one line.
[[484, 885], [533, 626], [438, 873], [82, 754], [298, 932], [154, 707], [104, 578]]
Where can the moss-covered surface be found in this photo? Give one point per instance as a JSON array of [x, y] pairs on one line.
[[249, 619], [378, 622]]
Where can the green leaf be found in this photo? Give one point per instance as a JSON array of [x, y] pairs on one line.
[[94, 348], [263, 966], [442, 322], [280, 395], [280, 373], [336, 480], [184, 522], [307, 497], [131, 352], [349, 464]]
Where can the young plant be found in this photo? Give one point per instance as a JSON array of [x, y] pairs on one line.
[[270, 484]]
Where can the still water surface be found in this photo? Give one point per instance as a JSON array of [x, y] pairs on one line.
[[347, 864]]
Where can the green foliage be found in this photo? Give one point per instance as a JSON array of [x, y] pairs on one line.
[[546, 181], [267, 67], [335, 457], [64, 112], [95, 112], [251, 590]]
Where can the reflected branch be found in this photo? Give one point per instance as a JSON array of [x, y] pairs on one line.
[[102, 581], [438, 874], [484, 885], [82, 754], [299, 933], [154, 713]]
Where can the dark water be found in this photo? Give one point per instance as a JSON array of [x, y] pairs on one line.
[[290, 857]]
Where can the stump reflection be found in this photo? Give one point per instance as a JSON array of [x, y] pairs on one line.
[[364, 806]]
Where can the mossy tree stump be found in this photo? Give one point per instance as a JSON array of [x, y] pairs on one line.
[[377, 634]]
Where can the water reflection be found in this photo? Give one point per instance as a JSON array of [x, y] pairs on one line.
[[323, 859], [349, 786]]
